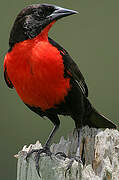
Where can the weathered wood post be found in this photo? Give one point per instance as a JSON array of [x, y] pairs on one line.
[[100, 153]]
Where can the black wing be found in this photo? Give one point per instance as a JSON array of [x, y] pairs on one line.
[[71, 67], [7, 80]]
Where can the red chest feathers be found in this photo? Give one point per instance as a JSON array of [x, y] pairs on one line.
[[37, 73]]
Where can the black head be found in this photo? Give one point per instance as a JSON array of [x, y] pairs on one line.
[[33, 19]]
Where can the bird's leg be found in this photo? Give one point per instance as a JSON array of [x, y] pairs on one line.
[[48, 142], [46, 147], [77, 156], [79, 145]]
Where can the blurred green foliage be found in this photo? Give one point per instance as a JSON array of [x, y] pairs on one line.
[[92, 38]]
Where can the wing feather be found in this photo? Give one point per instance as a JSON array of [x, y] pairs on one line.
[[71, 67]]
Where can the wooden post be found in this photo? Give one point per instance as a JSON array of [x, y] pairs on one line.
[[100, 153]]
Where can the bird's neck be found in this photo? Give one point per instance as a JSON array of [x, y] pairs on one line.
[[43, 36]]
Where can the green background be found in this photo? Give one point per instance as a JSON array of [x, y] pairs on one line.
[[92, 38]]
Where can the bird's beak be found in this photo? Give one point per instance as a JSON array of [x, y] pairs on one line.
[[61, 12]]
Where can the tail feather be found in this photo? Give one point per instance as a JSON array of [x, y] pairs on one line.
[[99, 121]]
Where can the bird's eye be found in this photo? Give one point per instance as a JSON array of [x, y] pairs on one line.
[[40, 12], [49, 10], [45, 11]]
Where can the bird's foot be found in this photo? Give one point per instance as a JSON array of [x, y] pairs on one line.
[[62, 154], [76, 158], [38, 152]]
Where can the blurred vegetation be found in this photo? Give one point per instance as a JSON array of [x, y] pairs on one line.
[[92, 38]]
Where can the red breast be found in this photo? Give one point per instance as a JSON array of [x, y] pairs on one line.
[[36, 70]]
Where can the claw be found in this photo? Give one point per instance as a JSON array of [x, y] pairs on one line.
[[38, 152], [61, 154], [29, 154], [76, 158], [69, 166]]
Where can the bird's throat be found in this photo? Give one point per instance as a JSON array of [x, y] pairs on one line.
[[43, 36]]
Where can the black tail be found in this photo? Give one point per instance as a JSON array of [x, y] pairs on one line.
[[99, 121]]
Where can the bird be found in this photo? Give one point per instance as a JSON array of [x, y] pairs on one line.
[[45, 76]]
